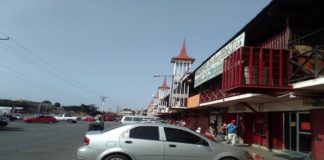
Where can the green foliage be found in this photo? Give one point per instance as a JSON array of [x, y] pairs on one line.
[[87, 109], [47, 107]]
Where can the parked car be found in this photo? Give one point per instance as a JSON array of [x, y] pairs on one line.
[[98, 125], [66, 117], [3, 121], [108, 118], [11, 117], [89, 119], [152, 121], [154, 141], [19, 116], [41, 119], [137, 119]]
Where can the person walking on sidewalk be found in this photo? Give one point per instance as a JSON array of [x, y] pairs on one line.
[[222, 131], [231, 132]]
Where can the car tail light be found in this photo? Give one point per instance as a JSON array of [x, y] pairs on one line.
[[86, 140]]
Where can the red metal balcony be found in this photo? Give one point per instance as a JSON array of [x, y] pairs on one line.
[[256, 70]]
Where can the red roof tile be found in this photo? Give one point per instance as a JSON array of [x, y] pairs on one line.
[[183, 54], [164, 84]]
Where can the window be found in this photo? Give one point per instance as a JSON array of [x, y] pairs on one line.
[[145, 132], [128, 119], [137, 119], [181, 136]]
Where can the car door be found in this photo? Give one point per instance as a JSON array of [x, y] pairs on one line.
[[143, 142], [39, 119], [183, 145]]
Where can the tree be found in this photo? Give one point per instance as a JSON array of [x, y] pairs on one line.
[[57, 105], [47, 102]]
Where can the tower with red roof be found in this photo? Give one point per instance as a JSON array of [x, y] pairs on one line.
[[163, 92], [181, 67]]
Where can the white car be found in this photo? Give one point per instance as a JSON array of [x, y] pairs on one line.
[[137, 119], [66, 117], [154, 141]]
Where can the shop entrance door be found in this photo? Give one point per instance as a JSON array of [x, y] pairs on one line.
[[297, 132], [304, 133]]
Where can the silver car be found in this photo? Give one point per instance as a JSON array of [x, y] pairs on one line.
[[154, 141]]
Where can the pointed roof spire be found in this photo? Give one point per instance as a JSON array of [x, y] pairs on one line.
[[164, 85], [183, 54]]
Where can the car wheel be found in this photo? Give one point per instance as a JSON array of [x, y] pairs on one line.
[[229, 158], [116, 157]]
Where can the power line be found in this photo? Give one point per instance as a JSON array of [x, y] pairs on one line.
[[23, 79], [19, 55], [52, 66]]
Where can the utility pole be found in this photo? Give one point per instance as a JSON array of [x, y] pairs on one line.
[[39, 107], [117, 110], [103, 98]]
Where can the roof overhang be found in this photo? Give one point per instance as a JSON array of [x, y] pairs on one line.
[[249, 98], [313, 84]]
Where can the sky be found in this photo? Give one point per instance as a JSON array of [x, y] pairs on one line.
[[74, 51]]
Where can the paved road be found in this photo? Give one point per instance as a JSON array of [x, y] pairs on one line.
[[36, 141]]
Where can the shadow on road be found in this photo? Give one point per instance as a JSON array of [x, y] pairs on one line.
[[291, 157], [11, 129]]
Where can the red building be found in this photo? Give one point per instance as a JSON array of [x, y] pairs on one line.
[[269, 77]]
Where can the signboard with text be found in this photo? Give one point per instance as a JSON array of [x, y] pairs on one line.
[[214, 66]]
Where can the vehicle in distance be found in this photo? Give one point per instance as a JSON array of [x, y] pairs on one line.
[[88, 119], [66, 117], [3, 121], [40, 119], [19, 116], [98, 125], [154, 141], [11, 117], [137, 119]]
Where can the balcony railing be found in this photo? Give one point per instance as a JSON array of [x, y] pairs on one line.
[[256, 70]]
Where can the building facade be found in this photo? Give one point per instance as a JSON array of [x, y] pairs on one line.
[[269, 77]]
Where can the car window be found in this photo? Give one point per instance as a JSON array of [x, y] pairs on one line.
[[145, 132], [128, 119], [149, 118], [181, 136], [137, 118]]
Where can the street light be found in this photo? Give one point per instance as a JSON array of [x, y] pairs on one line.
[[171, 92]]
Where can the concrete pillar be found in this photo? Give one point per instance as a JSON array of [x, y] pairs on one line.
[[317, 126]]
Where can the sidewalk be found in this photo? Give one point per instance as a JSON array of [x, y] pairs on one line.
[[260, 154]]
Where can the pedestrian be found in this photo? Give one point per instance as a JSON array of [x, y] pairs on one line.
[[222, 131], [231, 132], [211, 131], [214, 126]]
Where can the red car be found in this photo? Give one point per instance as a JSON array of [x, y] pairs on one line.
[[89, 119], [108, 118], [42, 119]]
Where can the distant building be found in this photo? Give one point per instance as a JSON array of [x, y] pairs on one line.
[[5, 110]]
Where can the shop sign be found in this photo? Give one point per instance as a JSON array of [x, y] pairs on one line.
[[214, 66]]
